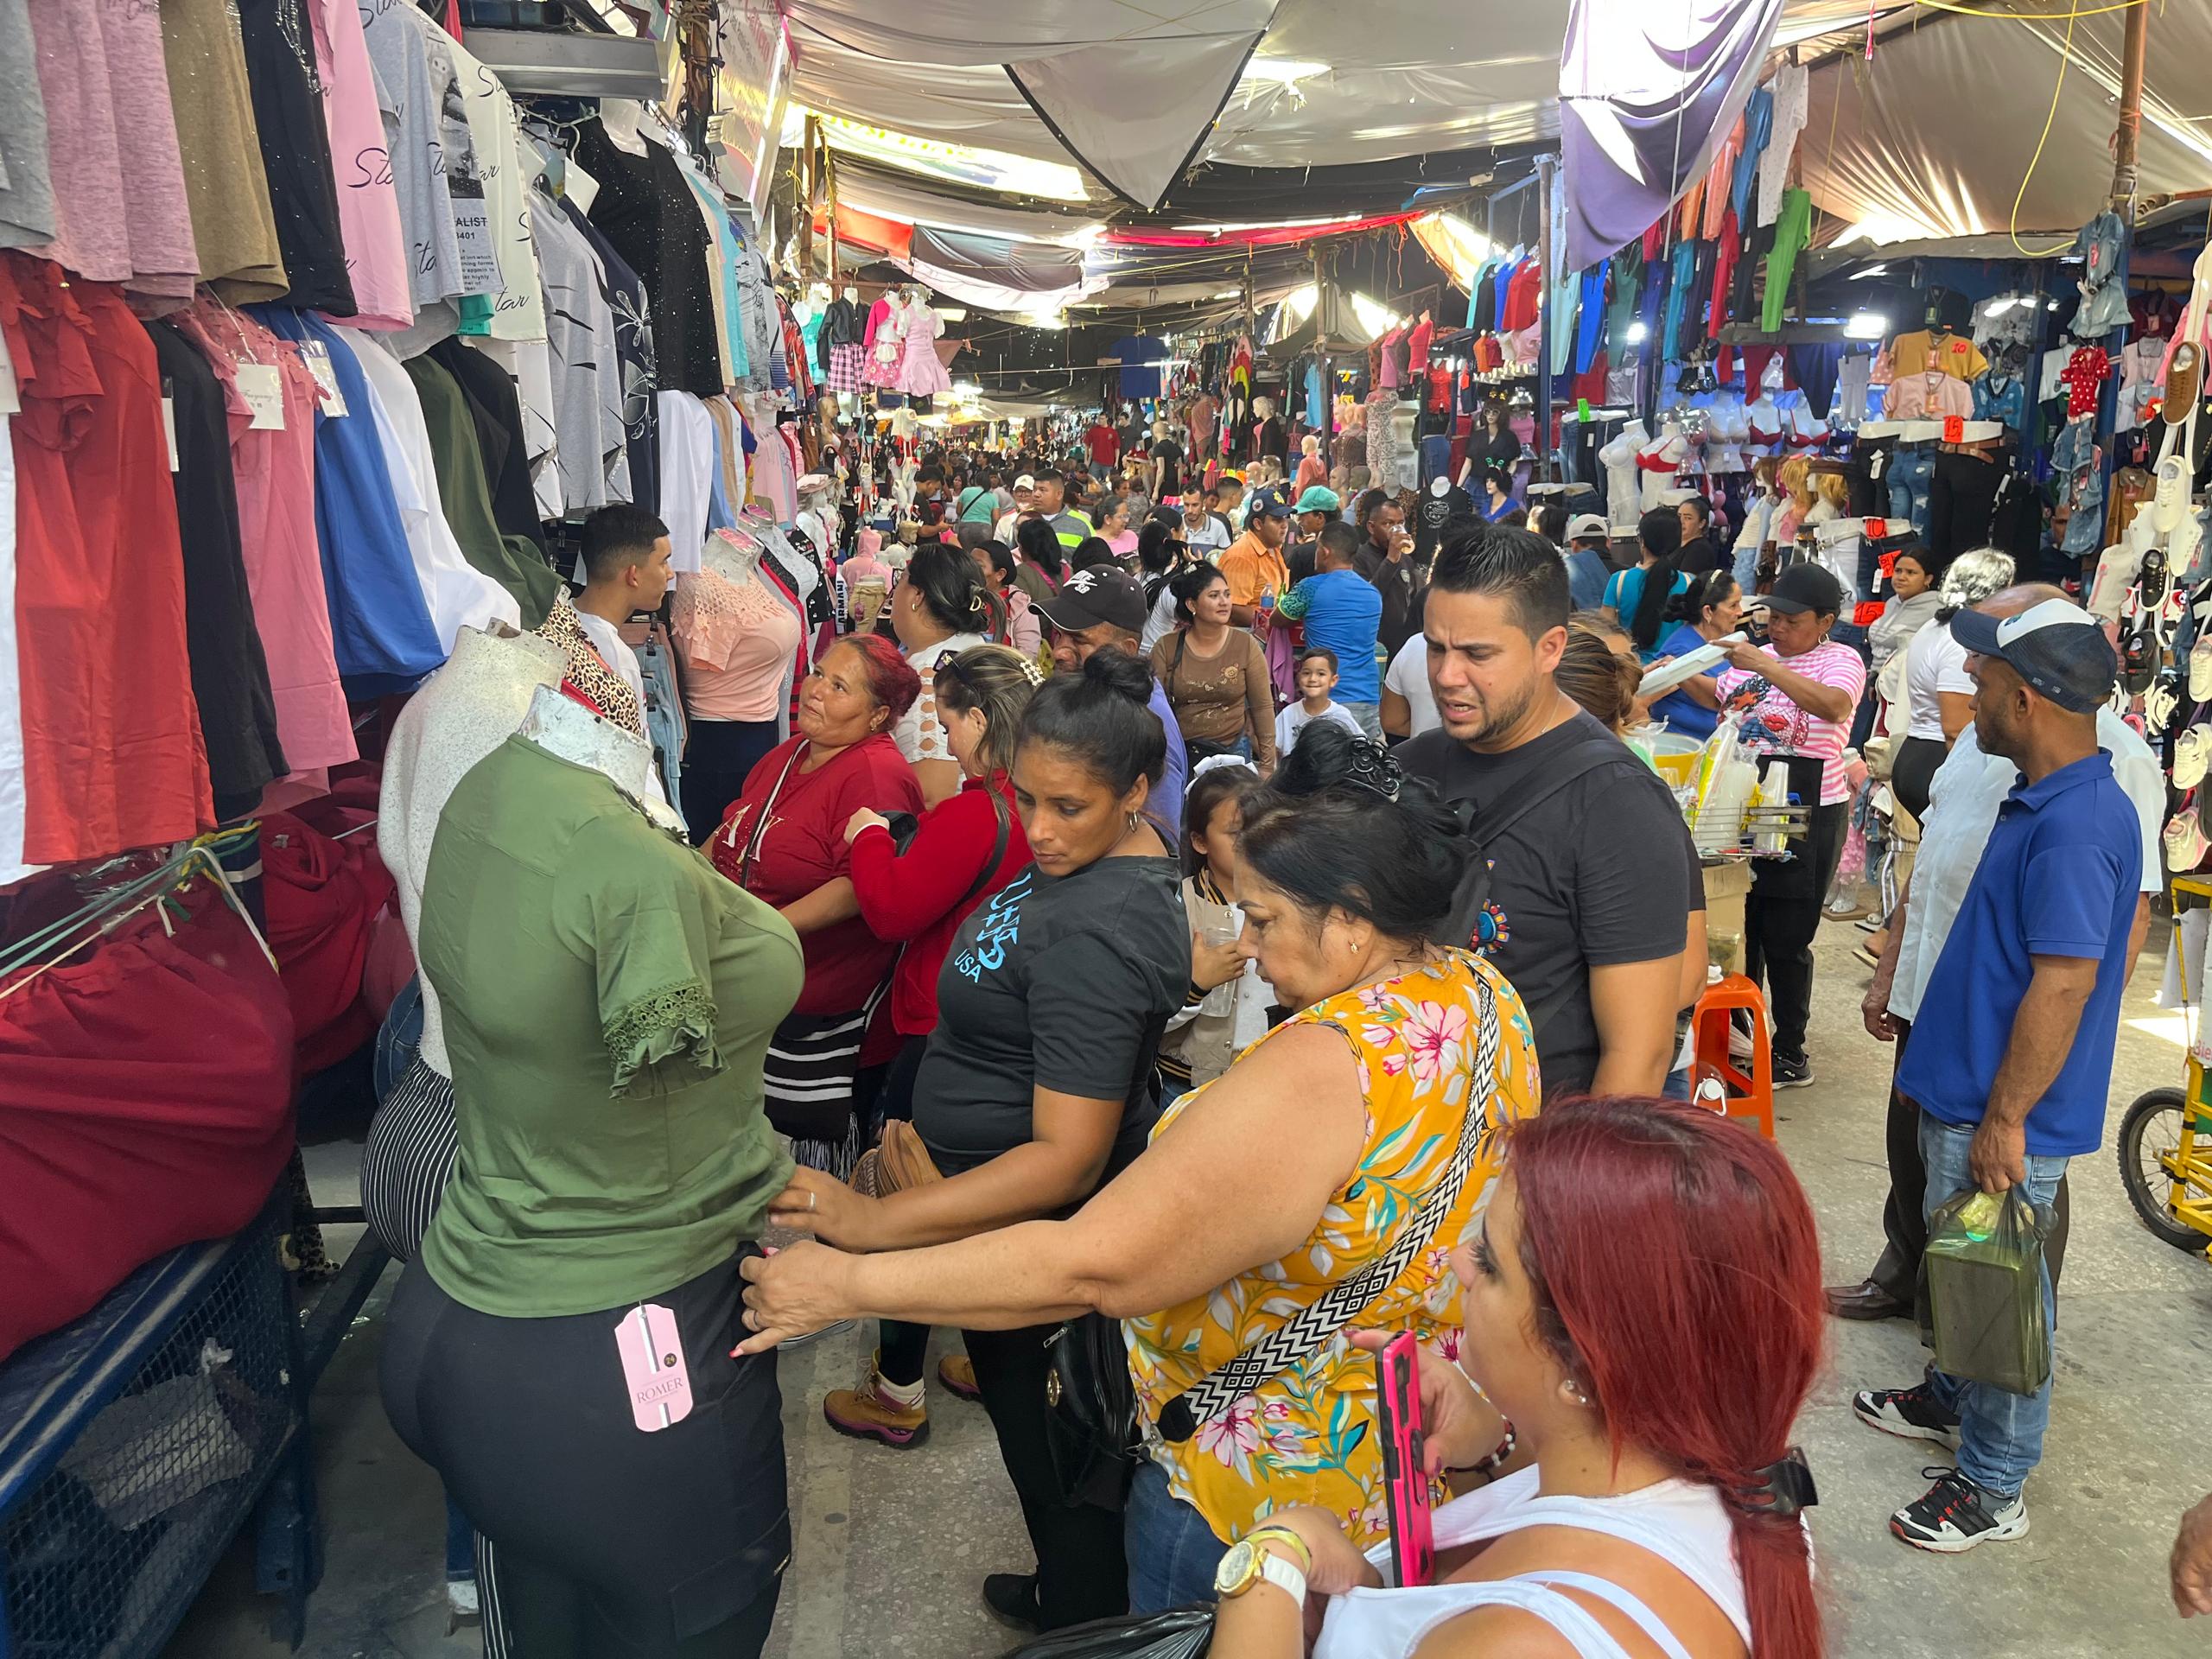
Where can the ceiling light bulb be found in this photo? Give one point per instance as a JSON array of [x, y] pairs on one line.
[[1637, 333], [1866, 324]]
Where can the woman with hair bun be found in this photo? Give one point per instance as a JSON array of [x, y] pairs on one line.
[[1328, 1172], [1638, 1365], [1038, 1083], [942, 606]]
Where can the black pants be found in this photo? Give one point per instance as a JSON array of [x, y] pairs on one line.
[[1912, 771], [717, 755], [1961, 496], [609, 1543], [900, 1348], [1904, 1224], [1080, 1570], [1782, 913]]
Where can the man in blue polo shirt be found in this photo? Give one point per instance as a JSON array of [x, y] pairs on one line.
[[2027, 993], [1344, 611]]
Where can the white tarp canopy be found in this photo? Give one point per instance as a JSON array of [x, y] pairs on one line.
[[1930, 138]]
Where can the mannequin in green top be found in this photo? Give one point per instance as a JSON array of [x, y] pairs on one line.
[[609, 1000]]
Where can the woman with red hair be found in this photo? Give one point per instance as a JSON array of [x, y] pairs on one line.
[[1638, 1365], [783, 841]]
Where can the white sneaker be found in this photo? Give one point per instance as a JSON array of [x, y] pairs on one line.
[[461, 1599], [2192, 756]]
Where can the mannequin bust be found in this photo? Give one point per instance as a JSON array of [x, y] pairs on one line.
[[559, 725], [1726, 428], [1623, 501], [1763, 422], [733, 555], [1807, 426], [1660, 464]]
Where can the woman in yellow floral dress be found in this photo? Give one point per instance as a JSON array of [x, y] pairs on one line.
[[1318, 1184]]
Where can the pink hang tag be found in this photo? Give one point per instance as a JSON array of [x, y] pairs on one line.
[[653, 1366]]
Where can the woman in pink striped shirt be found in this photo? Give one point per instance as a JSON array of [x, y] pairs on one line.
[[1793, 699]]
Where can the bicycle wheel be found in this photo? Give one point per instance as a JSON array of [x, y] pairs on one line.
[[2151, 1130]]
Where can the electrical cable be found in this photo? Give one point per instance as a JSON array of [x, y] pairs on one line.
[[2065, 58]]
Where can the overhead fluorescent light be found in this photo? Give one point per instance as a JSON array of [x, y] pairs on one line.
[[1871, 270], [1866, 324], [1284, 72], [952, 314], [965, 164], [1228, 294]]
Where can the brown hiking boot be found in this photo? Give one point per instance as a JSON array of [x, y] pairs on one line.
[[867, 1413], [957, 1373]]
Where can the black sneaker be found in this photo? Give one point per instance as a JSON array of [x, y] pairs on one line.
[[1911, 1413], [1791, 1071], [1955, 1514], [1012, 1598]]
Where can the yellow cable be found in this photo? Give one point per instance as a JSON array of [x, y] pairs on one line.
[[2065, 57], [2015, 17]]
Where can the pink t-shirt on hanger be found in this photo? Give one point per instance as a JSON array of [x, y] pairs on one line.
[[120, 207], [368, 201]]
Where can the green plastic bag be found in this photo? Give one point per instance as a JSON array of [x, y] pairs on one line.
[[1984, 1302]]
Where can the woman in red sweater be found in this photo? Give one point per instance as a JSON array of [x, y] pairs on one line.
[[967, 847]]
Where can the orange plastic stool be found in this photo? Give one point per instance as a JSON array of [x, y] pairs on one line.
[[1751, 1095]]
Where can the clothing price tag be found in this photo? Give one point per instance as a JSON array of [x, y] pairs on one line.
[[262, 388], [1877, 529], [1582, 408], [1879, 465], [579, 186], [316, 355], [168, 424], [1888, 560], [1954, 428], [1866, 612]]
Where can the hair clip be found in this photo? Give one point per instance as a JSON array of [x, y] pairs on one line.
[[1782, 1489], [1373, 769], [1216, 762]]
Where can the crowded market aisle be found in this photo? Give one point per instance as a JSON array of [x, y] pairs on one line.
[[896, 1542]]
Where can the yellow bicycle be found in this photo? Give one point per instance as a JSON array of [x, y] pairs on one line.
[[2165, 1138]]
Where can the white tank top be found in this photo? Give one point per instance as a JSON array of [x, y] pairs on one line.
[[1684, 1524]]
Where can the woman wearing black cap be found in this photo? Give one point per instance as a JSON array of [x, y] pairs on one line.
[[1793, 700]]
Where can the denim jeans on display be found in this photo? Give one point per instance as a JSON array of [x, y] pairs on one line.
[[2000, 1433], [1909, 472], [1435, 459], [1172, 1552]]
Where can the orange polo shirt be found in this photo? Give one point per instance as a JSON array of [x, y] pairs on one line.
[[1253, 567]]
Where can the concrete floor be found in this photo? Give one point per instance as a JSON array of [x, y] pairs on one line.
[[890, 1546]]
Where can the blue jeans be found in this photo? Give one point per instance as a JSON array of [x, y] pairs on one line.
[[1172, 1551], [1369, 716], [2000, 1433], [1908, 474]]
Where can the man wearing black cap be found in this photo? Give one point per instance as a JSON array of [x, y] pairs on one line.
[[1964, 799], [1100, 608], [1793, 701], [2027, 996]]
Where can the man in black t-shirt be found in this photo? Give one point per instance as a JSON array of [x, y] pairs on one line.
[[1593, 874]]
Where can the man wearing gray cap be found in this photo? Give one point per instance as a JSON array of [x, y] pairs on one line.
[[2026, 994], [1587, 567]]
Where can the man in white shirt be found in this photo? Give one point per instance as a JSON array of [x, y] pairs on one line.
[[1962, 803], [626, 570], [1408, 704]]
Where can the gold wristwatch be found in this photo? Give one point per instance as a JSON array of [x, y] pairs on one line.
[[1249, 1561]]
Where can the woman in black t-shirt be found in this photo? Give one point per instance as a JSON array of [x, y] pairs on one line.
[[1037, 1085]]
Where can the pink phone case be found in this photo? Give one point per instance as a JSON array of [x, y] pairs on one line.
[[653, 1365], [1413, 1548]]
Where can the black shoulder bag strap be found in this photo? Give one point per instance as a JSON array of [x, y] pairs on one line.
[[998, 847], [1473, 891], [1313, 1326]]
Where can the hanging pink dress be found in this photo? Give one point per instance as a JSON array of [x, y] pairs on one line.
[[921, 371], [885, 327], [283, 564]]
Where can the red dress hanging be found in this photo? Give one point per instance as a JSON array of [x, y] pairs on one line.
[[112, 753]]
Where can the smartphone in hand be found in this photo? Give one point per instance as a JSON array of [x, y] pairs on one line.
[[1413, 1548]]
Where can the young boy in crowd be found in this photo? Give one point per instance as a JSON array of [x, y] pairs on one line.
[[1316, 679]]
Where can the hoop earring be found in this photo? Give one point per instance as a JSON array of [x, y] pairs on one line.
[[1133, 824]]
